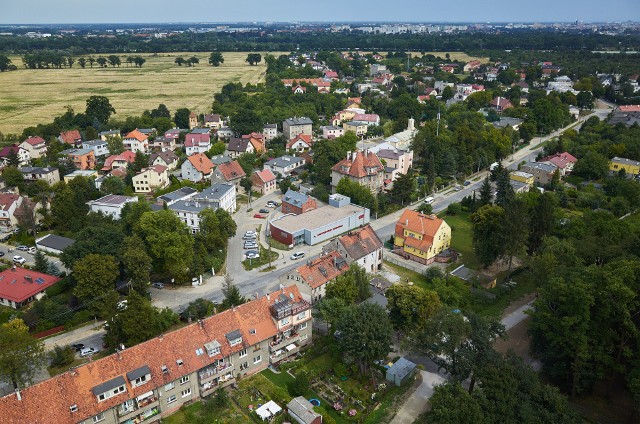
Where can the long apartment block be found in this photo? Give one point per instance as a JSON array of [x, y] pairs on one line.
[[154, 379]]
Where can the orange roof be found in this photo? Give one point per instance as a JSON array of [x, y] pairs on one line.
[[265, 175], [416, 222], [70, 136], [7, 199], [361, 242], [304, 137], [50, 400], [231, 170], [201, 162], [359, 165], [256, 140], [629, 108], [126, 156], [323, 269], [34, 141], [137, 135]]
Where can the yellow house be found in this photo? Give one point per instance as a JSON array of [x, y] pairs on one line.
[[631, 167], [421, 237], [358, 127], [523, 177], [150, 179]]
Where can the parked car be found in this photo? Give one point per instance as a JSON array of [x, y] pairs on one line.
[[158, 285], [297, 255], [457, 187], [23, 248], [250, 245], [5, 237], [19, 260], [260, 216], [32, 250], [271, 204], [264, 211], [466, 183], [1, 254], [77, 347], [249, 237], [250, 233], [88, 351], [252, 254], [196, 281]]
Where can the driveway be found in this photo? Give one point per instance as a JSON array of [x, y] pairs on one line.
[[418, 402]]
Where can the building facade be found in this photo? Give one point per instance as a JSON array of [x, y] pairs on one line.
[[111, 204], [293, 126], [421, 237], [363, 167]]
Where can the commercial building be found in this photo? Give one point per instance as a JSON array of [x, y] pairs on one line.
[[19, 286], [111, 204], [150, 381], [321, 224], [421, 237]]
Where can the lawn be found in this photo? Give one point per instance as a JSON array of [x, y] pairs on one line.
[[250, 264], [32, 96], [462, 238]]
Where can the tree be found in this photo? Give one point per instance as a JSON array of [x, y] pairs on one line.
[[114, 60], [82, 62], [232, 296], [542, 221], [192, 61], [5, 63], [181, 117], [515, 229], [330, 310], [12, 158], [485, 192], [160, 112], [585, 100], [246, 183], [411, 306], [285, 184], [245, 121], [447, 93], [61, 356], [139, 61], [366, 334], [91, 61], [253, 58], [216, 59], [199, 308], [179, 61], [218, 148], [13, 177], [115, 145], [41, 262], [21, 356], [100, 238], [96, 276], [487, 236], [425, 208], [405, 187], [113, 185], [137, 263], [99, 109], [101, 61]]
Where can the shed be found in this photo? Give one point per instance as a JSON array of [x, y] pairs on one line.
[[54, 244], [471, 276], [401, 371], [268, 410], [302, 411]]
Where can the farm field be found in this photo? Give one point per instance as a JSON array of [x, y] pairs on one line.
[[32, 96]]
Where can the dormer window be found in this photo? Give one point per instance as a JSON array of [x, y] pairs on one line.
[[164, 369], [234, 338], [73, 408], [179, 362], [213, 348]]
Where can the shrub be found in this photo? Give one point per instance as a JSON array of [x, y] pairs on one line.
[[454, 209], [61, 356]]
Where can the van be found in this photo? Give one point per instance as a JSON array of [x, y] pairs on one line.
[[429, 200]]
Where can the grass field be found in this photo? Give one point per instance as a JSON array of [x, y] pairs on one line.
[[32, 96], [461, 56]]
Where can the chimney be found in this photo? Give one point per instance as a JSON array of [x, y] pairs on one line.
[[406, 222], [268, 298], [18, 395]]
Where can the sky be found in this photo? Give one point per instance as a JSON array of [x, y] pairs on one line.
[[158, 11]]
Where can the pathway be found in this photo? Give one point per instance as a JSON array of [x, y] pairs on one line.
[[514, 318], [417, 403]]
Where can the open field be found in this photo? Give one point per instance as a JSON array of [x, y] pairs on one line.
[[32, 96]]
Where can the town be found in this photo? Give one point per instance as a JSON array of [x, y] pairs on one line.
[[361, 236]]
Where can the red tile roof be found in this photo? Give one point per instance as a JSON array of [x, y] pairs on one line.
[[49, 401], [127, 156], [629, 108], [20, 284], [70, 136], [561, 160], [191, 139], [306, 138], [265, 175], [359, 165], [231, 170], [6, 200], [501, 102], [367, 117], [34, 141], [137, 135], [418, 223], [201, 162], [8, 149], [323, 269], [361, 242]]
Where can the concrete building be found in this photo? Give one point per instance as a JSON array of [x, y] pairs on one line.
[[197, 168], [523, 177], [563, 161], [332, 131], [293, 126], [362, 246], [228, 172], [270, 131], [359, 128], [218, 196], [100, 147], [264, 181], [150, 179], [542, 172], [83, 159], [80, 173], [399, 160], [136, 141], [321, 224], [35, 173], [36, 147], [111, 204], [631, 167], [179, 194], [9, 203], [284, 165]]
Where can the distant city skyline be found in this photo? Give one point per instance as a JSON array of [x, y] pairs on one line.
[[164, 11]]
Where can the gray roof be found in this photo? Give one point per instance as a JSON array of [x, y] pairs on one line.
[[138, 372], [540, 166], [113, 199], [167, 156], [390, 154], [295, 198], [147, 131], [238, 145], [111, 132], [517, 185], [36, 170], [299, 121], [271, 126], [303, 409], [200, 131], [330, 127], [215, 192], [76, 151], [109, 385], [234, 335], [94, 143], [220, 159], [507, 122], [625, 161], [178, 194], [284, 161], [401, 368], [55, 242]]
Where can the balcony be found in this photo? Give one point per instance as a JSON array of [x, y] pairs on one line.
[[207, 388], [281, 354], [146, 416], [282, 342], [129, 415], [211, 372]]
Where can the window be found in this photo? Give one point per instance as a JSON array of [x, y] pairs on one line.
[[140, 380], [165, 370], [302, 326], [98, 418], [179, 361], [169, 386], [284, 321], [171, 399], [186, 393], [243, 353], [303, 338], [236, 341], [73, 408], [199, 351], [184, 379], [257, 359], [302, 315]]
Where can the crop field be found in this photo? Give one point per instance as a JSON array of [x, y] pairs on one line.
[[33, 96]]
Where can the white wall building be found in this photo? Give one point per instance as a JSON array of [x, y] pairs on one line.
[[111, 204]]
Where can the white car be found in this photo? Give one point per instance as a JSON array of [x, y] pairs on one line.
[[250, 246], [249, 237], [297, 255], [88, 351], [32, 250], [19, 260], [253, 255]]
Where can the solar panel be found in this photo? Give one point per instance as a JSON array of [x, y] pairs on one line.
[[40, 280]]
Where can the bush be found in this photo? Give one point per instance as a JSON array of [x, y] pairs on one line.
[[61, 356], [454, 209], [301, 385]]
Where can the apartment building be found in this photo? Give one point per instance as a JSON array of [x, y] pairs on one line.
[[152, 380]]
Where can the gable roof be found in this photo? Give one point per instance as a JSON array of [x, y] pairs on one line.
[[19, 284], [127, 156], [357, 164], [238, 145], [136, 135], [501, 102], [302, 409], [70, 136], [306, 138], [417, 222], [7, 199], [8, 149], [265, 175], [231, 170], [360, 243], [561, 160], [295, 198], [55, 242], [34, 141], [321, 270], [212, 118], [167, 157], [201, 163]]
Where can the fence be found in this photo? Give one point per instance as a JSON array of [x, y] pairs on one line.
[[413, 266]]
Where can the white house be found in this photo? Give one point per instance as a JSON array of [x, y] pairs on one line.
[[9, 202], [99, 147], [218, 196], [111, 204], [35, 146], [284, 165], [136, 141], [270, 131]]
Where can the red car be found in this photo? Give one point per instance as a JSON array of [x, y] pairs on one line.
[[260, 216]]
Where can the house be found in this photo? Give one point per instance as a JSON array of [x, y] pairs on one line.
[[34, 173], [197, 168], [297, 203], [173, 133], [298, 89], [519, 187], [331, 131], [99, 147], [52, 243], [197, 143], [474, 277], [193, 120], [165, 158], [312, 278], [72, 137], [331, 75], [119, 161], [376, 68], [220, 159], [87, 173], [564, 161], [291, 127], [36, 147], [162, 143], [150, 179], [264, 181], [363, 167], [224, 133], [501, 104], [107, 135], [523, 177], [301, 410], [230, 172], [319, 225], [21, 155], [9, 204], [284, 165], [300, 143], [83, 159], [631, 167], [471, 66], [401, 371], [420, 237], [270, 131], [238, 146], [111, 204], [213, 121], [399, 160], [506, 121], [369, 118], [151, 380], [218, 196], [136, 142], [362, 246], [19, 286], [257, 141], [542, 172], [182, 193], [360, 128]]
